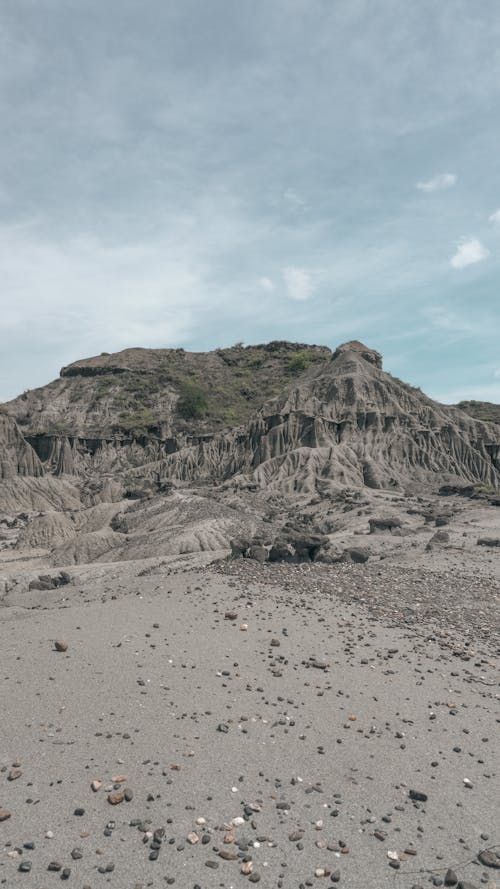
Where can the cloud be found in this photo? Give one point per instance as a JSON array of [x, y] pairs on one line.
[[479, 392], [495, 217], [266, 284], [438, 183], [294, 199], [445, 319], [80, 296], [496, 374], [299, 282], [469, 251]]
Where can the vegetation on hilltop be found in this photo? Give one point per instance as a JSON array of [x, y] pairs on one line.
[[481, 410], [141, 392]]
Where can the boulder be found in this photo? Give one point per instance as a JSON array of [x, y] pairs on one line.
[[384, 524], [438, 539], [328, 554], [47, 582], [239, 546], [357, 554], [282, 551], [257, 553]]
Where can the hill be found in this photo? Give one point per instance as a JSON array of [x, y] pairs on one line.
[[155, 453], [162, 393], [481, 410]]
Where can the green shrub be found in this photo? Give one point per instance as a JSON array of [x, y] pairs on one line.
[[193, 400], [299, 361], [138, 422]]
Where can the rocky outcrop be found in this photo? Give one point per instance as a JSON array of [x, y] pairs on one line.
[[17, 457], [339, 421], [163, 394], [367, 354], [341, 434], [326, 432]]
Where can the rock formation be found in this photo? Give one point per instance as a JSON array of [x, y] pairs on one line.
[[17, 457], [312, 426]]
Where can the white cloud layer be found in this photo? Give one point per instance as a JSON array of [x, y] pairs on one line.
[[438, 183], [480, 392], [182, 174], [469, 252], [495, 217], [299, 283], [266, 284]]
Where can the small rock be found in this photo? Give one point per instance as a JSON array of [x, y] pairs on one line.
[[418, 796], [226, 855], [489, 859]]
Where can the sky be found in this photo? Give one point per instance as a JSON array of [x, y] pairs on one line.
[[192, 173]]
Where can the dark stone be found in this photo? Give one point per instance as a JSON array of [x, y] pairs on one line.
[[357, 554], [257, 553], [418, 796], [489, 859], [384, 524], [282, 551]]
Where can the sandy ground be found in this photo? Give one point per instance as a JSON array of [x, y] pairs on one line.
[[311, 725]]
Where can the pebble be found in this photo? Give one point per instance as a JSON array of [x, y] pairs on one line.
[[418, 796], [489, 859]]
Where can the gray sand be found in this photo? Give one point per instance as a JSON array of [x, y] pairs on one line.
[[329, 753]]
